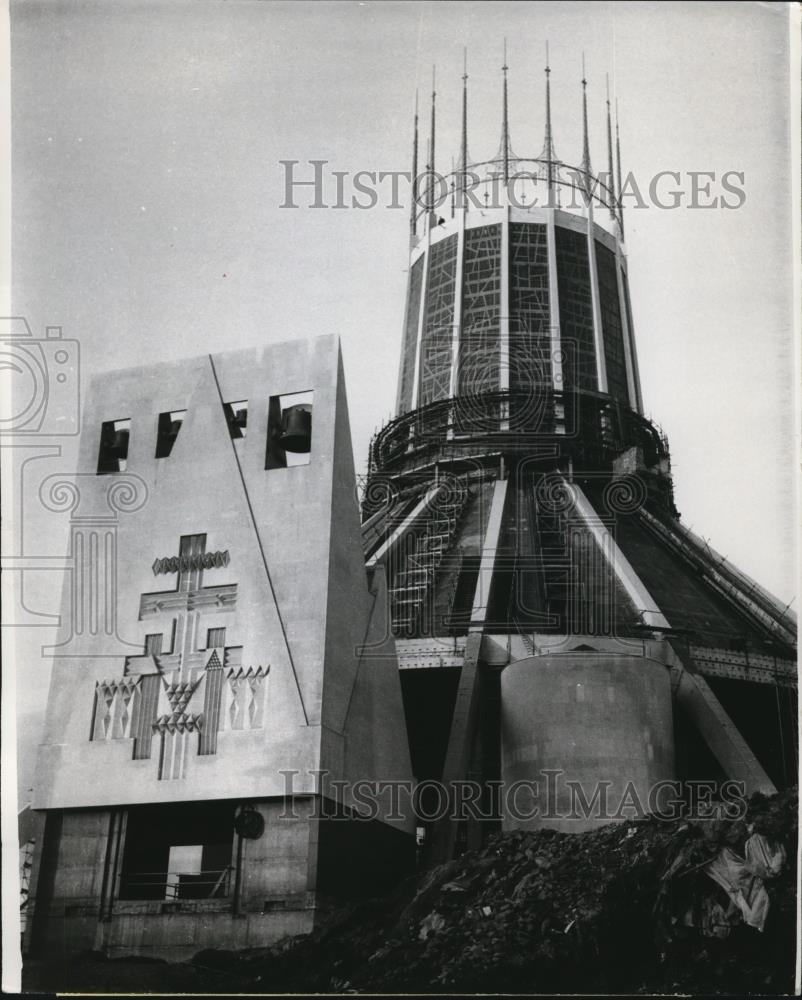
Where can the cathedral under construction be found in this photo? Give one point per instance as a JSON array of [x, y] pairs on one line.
[[516, 598]]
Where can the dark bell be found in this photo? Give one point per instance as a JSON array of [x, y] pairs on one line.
[[120, 443], [296, 429]]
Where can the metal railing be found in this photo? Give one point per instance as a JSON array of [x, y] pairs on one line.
[[174, 885], [592, 425]]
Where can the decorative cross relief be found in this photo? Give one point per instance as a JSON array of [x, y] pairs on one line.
[[116, 708], [244, 702], [187, 689]]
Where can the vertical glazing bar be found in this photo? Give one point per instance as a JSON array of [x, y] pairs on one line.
[[452, 389], [421, 317], [554, 307], [409, 338], [632, 391], [504, 312], [627, 314], [598, 333]]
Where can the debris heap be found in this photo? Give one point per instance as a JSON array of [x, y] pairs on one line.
[[647, 906]]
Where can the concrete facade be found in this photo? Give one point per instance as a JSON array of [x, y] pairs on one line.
[[288, 877], [275, 656], [594, 717]]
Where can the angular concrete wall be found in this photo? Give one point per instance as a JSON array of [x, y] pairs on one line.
[[303, 604]]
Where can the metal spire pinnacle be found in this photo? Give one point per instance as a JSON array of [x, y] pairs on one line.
[[463, 156], [505, 151], [611, 177], [618, 172], [505, 127], [432, 154], [586, 166], [414, 206], [548, 153]]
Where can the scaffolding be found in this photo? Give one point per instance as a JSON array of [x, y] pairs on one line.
[[412, 593]]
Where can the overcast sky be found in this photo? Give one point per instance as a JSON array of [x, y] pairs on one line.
[[146, 145]]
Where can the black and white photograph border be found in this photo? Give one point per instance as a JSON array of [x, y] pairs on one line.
[[400, 441]]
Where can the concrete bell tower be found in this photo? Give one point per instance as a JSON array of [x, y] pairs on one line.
[[225, 662]]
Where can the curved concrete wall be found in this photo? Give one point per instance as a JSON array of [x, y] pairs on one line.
[[603, 721]]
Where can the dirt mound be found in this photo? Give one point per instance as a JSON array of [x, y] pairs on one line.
[[626, 908]]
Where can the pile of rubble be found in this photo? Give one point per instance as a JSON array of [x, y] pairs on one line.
[[649, 906]]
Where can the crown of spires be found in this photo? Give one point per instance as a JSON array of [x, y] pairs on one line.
[[424, 194], [505, 151]]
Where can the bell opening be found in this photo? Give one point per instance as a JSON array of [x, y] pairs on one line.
[[289, 430], [237, 419], [168, 428], [113, 454]]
